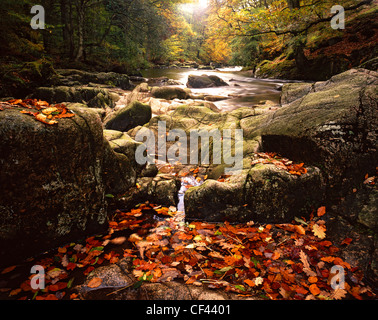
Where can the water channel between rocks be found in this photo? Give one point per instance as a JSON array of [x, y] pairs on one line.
[[242, 91]]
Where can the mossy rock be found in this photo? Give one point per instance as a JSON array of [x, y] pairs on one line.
[[126, 118], [169, 93]]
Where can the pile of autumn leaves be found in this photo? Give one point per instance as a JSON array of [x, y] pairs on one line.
[[281, 261], [42, 111], [272, 261]]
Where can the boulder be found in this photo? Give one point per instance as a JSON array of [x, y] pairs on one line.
[[332, 124], [111, 79], [53, 181], [205, 81], [170, 93], [263, 193], [92, 96], [128, 117]]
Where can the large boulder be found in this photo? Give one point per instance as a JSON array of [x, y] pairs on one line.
[[72, 76], [331, 124], [264, 193], [128, 117], [170, 93], [205, 81], [54, 180], [93, 97]]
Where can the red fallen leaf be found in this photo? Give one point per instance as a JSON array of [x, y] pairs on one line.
[[88, 270], [25, 286], [71, 266], [48, 297], [321, 211], [300, 290], [9, 269], [347, 241], [58, 286]]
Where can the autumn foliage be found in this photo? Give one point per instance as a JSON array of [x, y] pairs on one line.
[[41, 110], [268, 261]]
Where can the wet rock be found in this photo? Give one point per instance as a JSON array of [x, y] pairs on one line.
[[93, 97], [126, 118], [112, 79], [170, 93], [332, 123], [55, 178], [263, 193], [205, 81], [113, 276], [215, 98]]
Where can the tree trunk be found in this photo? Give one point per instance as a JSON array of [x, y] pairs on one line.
[[66, 19], [80, 31], [293, 4]]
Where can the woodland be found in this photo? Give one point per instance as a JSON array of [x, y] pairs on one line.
[[298, 222]]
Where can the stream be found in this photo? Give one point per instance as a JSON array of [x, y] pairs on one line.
[[243, 90]]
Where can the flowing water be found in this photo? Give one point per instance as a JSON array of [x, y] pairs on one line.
[[243, 90]]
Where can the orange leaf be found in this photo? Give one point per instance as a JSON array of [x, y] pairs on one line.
[[299, 229], [312, 279], [62, 249], [321, 211], [251, 283], [328, 259], [94, 282], [9, 269], [314, 289]]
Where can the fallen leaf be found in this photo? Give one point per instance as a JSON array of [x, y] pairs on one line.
[[94, 282], [8, 269], [319, 231], [321, 211], [314, 289], [338, 294]]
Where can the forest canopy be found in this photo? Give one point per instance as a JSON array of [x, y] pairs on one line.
[[128, 35]]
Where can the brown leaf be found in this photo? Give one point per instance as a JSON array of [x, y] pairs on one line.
[[339, 294], [306, 265]]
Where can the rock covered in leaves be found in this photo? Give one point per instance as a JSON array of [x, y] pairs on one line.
[[54, 178]]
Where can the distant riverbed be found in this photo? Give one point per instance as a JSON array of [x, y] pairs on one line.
[[243, 90]]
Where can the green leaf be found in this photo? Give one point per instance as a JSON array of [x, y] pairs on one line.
[[255, 261], [69, 283], [223, 270], [240, 287], [97, 248], [301, 221], [109, 195]]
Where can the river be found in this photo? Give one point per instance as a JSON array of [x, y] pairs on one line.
[[243, 90]]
